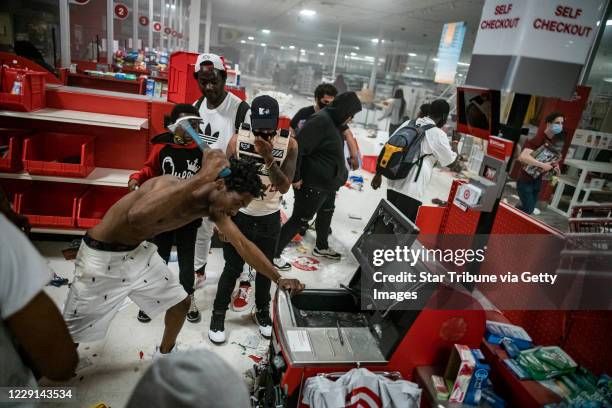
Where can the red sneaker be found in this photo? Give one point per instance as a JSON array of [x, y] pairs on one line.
[[241, 297]]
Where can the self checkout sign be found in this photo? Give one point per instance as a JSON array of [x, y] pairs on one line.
[[533, 47], [157, 26], [121, 11]]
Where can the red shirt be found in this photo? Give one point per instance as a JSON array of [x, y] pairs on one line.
[[539, 140]]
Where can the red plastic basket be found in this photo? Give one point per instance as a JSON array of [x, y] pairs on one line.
[[46, 153], [182, 86], [51, 206], [12, 139], [32, 95], [95, 202], [368, 163]]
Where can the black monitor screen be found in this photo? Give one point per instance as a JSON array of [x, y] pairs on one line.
[[477, 112]]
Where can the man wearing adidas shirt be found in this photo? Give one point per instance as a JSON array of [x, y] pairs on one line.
[[276, 155], [222, 113]]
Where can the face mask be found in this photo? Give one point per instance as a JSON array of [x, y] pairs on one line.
[[556, 128]]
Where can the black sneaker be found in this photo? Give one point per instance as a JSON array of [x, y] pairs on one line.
[[142, 317], [262, 317], [326, 253], [193, 315], [216, 333], [281, 264]]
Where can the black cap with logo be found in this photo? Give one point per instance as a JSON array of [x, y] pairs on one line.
[[264, 113]]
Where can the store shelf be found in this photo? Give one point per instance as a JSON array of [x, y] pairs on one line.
[[83, 118], [59, 231], [101, 176]]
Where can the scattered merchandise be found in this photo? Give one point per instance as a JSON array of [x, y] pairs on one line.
[[71, 250], [442, 392], [510, 348], [58, 281], [496, 332], [256, 359], [355, 217], [465, 374], [516, 369], [306, 263], [546, 362]]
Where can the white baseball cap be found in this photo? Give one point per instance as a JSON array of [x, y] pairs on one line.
[[214, 59]]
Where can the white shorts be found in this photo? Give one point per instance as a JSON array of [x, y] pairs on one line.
[[104, 279]]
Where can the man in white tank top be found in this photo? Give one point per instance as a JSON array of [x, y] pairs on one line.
[[276, 153]]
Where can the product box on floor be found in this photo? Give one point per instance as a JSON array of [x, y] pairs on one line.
[[466, 375]]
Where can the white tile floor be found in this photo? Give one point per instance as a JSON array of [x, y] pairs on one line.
[[111, 368]]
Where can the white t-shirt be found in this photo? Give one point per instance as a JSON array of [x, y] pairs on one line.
[[23, 274], [219, 124], [435, 143]]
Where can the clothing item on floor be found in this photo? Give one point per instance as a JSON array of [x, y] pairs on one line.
[[104, 279], [281, 264], [197, 378]]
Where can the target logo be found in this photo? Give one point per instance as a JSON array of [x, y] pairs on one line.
[[466, 194], [167, 30], [157, 26], [174, 33], [79, 2], [121, 11], [143, 20]]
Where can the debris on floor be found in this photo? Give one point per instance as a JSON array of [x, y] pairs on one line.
[[255, 358], [306, 263], [58, 281], [141, 354], [302, 249], [100, 405], [355, 217], [252, 341], [84, 362]]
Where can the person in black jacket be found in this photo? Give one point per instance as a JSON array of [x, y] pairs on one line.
[[322, 171]]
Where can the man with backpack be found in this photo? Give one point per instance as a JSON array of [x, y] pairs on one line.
[[408, 158]]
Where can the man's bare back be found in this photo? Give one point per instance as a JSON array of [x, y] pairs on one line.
[[118, 224]]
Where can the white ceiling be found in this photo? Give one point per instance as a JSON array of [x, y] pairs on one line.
[[406, 25]]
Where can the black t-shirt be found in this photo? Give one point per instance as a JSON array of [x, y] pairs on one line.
[[303, 115]]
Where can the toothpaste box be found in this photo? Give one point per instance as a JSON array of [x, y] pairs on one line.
[[479, 379], [458, 373], [496, 332]]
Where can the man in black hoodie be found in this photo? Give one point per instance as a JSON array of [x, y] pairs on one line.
[[321, 172]]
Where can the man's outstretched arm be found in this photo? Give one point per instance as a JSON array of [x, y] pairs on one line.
[[253, 255]]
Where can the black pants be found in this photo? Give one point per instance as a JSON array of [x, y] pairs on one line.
[[308, 202], [185, 238], [407, 205], [263, 232], [528, 192]]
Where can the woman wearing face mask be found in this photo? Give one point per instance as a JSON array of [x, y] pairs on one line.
[[529, 187]]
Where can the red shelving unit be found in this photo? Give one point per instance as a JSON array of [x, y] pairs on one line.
[[59, 154], [10, 160], [119, 126]]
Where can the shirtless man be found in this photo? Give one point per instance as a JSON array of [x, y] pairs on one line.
[[115, 262]]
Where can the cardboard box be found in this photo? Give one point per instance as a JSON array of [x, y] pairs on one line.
[[459, 370], [496, 332]]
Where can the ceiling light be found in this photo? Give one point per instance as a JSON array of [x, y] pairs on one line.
[[173, 6], [167, 5], [353, 54], [374, 40], [282, 47], [265, 31], [321, 53], [463, 64], [607, 79], [292, 47], [263, 44], [303, 51], [251, 38], [242, 42], [356, 47], [407, 68], [412, 54], [320, 45], [307, 13], [435, 59], [609, 23]]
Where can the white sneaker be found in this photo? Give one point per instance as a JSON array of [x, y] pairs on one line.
[[536, 211], [216, 333], [326, 253], [262, 317], [157, 354], [281, 264]]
